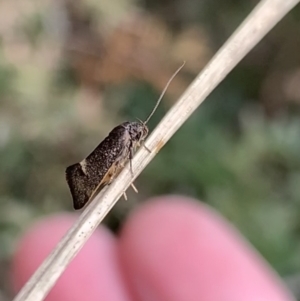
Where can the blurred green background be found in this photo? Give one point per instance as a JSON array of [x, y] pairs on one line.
[[72, 70]]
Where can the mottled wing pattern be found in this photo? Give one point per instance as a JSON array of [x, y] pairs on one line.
[[99, 168]]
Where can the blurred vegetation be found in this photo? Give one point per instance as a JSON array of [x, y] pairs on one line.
[[72, 70]]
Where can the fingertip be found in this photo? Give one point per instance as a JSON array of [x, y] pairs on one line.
[[183, 250], [35, 244], [93, 274]]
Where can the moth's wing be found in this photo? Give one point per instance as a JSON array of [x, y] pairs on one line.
[[113, 171], [107, 179], [92, 173], [78, 184], [81, 187]]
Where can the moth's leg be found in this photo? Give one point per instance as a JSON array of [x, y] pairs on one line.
[[146, 148], [134, 188], [130, 159], [131, 152], [142, 143]]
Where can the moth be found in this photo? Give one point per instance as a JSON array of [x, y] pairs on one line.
[[86, 178]]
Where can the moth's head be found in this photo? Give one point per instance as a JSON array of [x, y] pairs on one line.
[[138, 131], [144, 131]]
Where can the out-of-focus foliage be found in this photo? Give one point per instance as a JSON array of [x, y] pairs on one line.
[[71, 70]]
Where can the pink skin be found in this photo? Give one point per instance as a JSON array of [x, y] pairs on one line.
[[171, 249]]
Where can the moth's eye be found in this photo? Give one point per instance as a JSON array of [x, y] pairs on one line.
[[145, 132], [138, 135]]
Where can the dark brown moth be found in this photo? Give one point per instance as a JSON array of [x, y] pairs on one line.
[[106, 161]]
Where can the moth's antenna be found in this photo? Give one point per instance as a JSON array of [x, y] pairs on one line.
[[163, 92]]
